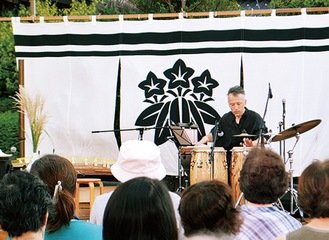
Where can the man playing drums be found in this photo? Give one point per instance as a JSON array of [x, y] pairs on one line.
[[240, 120]]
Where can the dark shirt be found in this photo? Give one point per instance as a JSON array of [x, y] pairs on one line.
[[250, 122]]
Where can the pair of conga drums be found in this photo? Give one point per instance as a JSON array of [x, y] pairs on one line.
[[201, 167]]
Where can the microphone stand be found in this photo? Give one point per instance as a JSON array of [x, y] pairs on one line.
[[280, 130], [262, 127], [211, 154], [284, 128], [141, 130]]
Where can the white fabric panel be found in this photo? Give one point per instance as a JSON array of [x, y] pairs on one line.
[[80, 98], [81, 91]]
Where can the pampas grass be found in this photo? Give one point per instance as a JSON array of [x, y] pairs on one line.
[[33, 108]]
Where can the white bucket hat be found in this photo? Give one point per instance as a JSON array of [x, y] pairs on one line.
[[138, 159]]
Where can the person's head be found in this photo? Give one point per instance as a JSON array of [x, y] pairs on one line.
[[138, 159], [210, 236], [24, 203], [208, 206], [140, 209], [263, 178], [237, 100], [313, 189], [58, 173]]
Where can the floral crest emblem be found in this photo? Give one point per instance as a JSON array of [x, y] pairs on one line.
[[181, 98]]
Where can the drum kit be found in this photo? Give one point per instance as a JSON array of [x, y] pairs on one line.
[[201, 167]]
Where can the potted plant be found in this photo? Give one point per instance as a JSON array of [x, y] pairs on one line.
[[32, 106]]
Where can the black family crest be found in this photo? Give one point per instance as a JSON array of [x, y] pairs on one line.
[[180, 98]]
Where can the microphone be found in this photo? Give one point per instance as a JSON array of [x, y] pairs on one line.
[[220, 133], [284, 106], [270, 95]]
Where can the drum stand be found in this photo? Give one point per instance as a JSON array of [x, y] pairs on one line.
[[245, 152], [181, 173], [294, 207]]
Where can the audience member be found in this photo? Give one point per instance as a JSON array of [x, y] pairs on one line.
[[60, 176], [313, 199], [140, 209], [210, 236], [136, 159], [208, 206], [24, 205], [263, 180]]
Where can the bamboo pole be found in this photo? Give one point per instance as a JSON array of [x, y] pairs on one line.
[[173, 15], [21, 114], [32, 8]]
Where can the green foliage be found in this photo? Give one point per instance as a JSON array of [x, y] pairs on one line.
[[150, 6], [299, 3], [9, 130], [8, 71], [316, 3], [79, 8], [7, 104], [47, 8], [211, 5]]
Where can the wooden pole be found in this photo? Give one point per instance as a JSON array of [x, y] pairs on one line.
[[32, 8], [218, 14], [183, 4], [21, 137]]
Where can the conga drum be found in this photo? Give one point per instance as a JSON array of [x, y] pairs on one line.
[[238, 157], [201, 168]]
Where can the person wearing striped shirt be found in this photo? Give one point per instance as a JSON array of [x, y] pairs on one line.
[[263, 180]]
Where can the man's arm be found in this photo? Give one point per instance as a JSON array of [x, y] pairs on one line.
[[205, 139]]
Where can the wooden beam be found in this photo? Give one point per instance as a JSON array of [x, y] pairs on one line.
[[172, 15]]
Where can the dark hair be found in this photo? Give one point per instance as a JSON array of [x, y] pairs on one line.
[[236, 90], [313, 189], [140, 209], [24, 203], [52, 168], [263, 178], [208, 206]]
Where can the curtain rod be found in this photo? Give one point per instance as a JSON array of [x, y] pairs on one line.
[[174, 15]]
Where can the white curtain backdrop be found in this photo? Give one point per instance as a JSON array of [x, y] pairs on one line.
[[87, 69]]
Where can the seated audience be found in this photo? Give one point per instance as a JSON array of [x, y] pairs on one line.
[[140, 209], [208, 206], [313, 199], [24, 206], [136, 159], [209, 236], [60, 176], [263, 180]]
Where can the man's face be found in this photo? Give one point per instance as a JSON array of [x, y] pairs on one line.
[[237, 104]]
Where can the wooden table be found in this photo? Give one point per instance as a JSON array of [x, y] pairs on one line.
[[91, 169], [85, 166]]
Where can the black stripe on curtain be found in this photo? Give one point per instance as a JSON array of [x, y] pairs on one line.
[[174, 37], [172, 52]]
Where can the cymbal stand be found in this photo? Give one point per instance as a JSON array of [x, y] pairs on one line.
[[211, 153], [294, 207]]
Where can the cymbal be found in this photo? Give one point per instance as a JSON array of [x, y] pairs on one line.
[[296, 129], [244, 135], [271, 134]]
